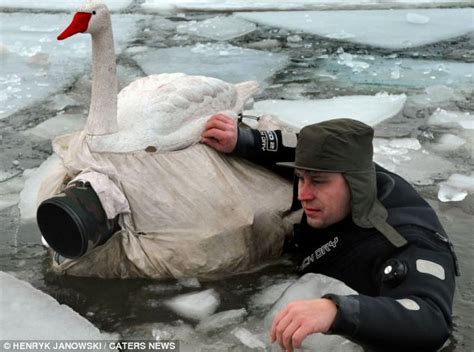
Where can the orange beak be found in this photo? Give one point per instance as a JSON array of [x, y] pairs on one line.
[[79, 24]]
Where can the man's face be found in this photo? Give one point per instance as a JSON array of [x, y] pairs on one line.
[[325, 197]]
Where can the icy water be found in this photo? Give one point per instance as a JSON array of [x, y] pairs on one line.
[[45, 90]]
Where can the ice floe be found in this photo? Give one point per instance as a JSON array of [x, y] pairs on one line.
[[452, 119], [10, 187], [33, 178], [114, 5], [312, 286], [456, 188], [195, 306], [218, 28], [449, 142], [221, 320], [247, 338], [35, 64], [55, 126], [406, 157], [299, 113], [390, 29], [219, 60], [29, 314], [399, 72], [239, 5]]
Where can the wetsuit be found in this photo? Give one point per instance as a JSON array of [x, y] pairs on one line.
[[405, 294]]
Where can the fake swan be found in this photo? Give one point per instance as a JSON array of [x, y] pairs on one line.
[[161, 112], [183, 209]]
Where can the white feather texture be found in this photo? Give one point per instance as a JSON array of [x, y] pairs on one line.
[[165, 112]]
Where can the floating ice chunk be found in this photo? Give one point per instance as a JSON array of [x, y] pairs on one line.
[[452, 119], [405, 143], [313, 286], [347, 60], [294, 39], [219, 60], [416, 18], [269, 295], [440, 92], [401, 72], [448, 193], [10, 187], [28, 313], [218, 28], [32, 72], [449, 142], [406, 158], [388, 28], [189, 282], [456, 188], [267, 5], [113, 5], [221, 320], [33, 178], [195, 306], [57, 125], [299, 113], [247, 338]]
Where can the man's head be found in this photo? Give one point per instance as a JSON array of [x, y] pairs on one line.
[[335, 171], [325, 197]]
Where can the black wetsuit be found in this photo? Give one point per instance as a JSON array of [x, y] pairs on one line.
[[405, 294]]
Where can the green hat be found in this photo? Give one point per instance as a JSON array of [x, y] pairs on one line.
[[345, 146]]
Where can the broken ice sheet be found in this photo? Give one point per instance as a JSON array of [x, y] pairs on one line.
[[221, 320], [452, 119], [456, 188], [366, 108], [194, 306], [218, 28], [219, 60], [247, 338], [32, 314], [449, 142], [407, 158], [400, 72], [381, 28], [35, 64]]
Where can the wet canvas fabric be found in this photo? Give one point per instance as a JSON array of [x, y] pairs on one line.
[[191, 212]]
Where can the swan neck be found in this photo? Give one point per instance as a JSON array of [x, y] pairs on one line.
[[103, 110]]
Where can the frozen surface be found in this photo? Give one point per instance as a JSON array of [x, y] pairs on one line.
[[33, 178], [219, 60], [390, 29], [218, 28], [312, 286], [10, 187], [399, 72], [221, 320], [28, 313], [114, 5], [299, 113], [55, 126], [452, 119], [406, 157], [35, 64], [195, 306], [269, 295], [236, 5], [449, 142], [247, 338], [456, 188]]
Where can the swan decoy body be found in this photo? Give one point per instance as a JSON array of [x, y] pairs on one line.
[[165, 111]]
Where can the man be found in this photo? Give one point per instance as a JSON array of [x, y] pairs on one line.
[[362, 225]]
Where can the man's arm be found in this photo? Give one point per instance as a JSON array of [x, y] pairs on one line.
[[261, 147], [411, 315]]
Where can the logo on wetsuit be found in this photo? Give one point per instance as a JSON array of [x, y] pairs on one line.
[[318, 253], [269, 141]]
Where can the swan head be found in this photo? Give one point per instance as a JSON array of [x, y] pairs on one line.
[[92, 17]]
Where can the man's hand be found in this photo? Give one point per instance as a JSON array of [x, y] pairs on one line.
[[300, 319], [220, 133]]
